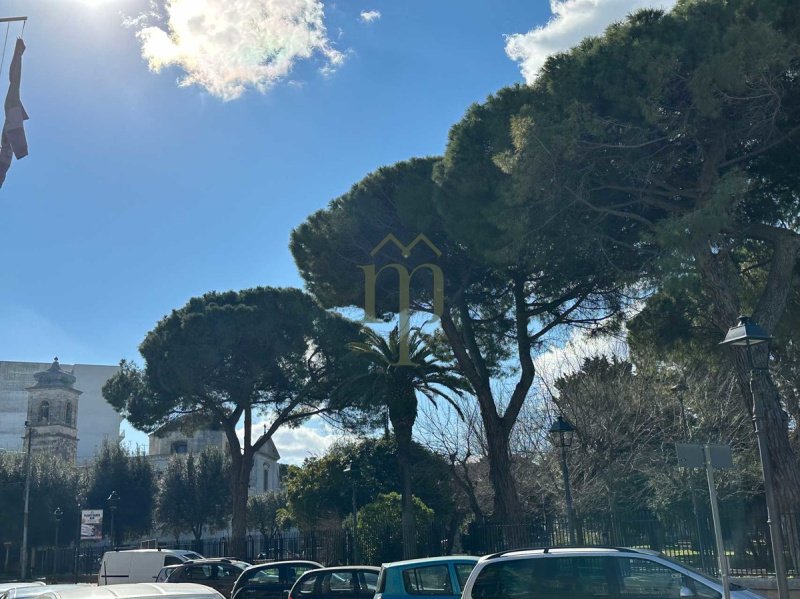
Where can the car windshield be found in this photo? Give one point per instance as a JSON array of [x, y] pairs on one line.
[[700, 574]]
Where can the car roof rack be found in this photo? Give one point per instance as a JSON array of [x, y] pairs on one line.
[[549, 548]]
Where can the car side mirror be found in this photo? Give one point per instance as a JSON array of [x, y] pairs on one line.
[[687, 593]]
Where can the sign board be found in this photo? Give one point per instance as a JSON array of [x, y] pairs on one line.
[[692, 455], [91, 525]]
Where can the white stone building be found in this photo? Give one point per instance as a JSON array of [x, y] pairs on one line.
[[164, 444], [66, 408]]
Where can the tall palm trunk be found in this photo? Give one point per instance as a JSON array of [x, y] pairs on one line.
[[403, 413]]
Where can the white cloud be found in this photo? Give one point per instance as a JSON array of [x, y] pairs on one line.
[[227, 47], [313, 438], [367, 16], [572, 21], [567, 359]]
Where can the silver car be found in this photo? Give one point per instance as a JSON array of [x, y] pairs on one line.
[[591, 572]]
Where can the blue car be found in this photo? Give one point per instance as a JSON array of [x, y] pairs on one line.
[[443, 577]]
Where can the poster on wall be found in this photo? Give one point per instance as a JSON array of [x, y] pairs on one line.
[[91, 525]]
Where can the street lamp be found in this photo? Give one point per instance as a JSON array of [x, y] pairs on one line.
[[57, 514], [24, 551], [747, 333], [113, 502], [352, 471], [561, 434]]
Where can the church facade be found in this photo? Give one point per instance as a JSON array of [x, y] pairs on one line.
[[166, 443]]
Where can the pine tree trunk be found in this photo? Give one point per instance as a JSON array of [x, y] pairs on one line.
[[240, 479], [507, 507]]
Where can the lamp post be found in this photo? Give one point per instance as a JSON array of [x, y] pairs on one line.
[[679, 391], [57, 514], [745, 334], [561, 434], [113, 502], [24, 551], [352, 470]]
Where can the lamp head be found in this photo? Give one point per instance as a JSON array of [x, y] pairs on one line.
[[746, 332], [561, 432]]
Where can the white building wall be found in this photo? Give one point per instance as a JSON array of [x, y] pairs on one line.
[[97, 420]]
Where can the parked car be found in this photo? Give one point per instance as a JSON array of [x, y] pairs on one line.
[[441, 576], [219, 574], [142, 590], [271, 580], [599, 573], [341, 582], [139, 565]]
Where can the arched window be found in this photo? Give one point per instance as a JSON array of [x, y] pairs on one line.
[[68, 415], [44, 411], [266, 478]]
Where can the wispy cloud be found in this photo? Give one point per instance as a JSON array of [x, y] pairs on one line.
[[227, 47], [572, 21], [367, 16]]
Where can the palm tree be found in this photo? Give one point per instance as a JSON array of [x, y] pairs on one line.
[[396, 386]]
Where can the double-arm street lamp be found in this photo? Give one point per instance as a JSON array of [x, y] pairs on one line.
[[561, 434], [113, 503], [747, 334]]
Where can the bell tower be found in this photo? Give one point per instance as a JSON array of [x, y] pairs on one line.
[[53, 413]]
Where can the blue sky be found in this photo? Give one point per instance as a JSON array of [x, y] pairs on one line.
[[139, 193]]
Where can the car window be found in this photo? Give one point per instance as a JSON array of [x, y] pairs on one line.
[[163, 574], [368, 580], [641, 578], [338, 583], [264, 576], [548, 578], [463, 571], [382, 581], [198, 572], [428, 580], [171, 560], [296, 572], [306, 586], [225, 572]]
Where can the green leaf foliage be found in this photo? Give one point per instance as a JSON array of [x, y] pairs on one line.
[[379, 527], [194, 493], [132, 477], [320, 491], [54, 484]]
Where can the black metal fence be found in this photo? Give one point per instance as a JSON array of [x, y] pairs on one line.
[[688, 540]]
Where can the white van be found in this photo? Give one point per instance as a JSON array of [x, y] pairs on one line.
[[135, 591], [139, 565]]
